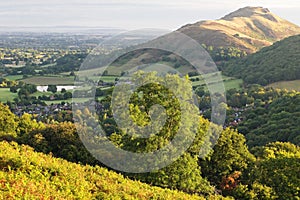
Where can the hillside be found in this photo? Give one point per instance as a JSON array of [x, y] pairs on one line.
[[237, 34], [247, 29], [279, 62], [26, 174], [274, 120]]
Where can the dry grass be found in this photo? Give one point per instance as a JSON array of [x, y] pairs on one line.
[[49, 80], [289, 85], [248, 29]]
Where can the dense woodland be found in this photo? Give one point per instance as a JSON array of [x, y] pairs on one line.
[[267, 171], [279, 62], [255, 157], [263, 115]]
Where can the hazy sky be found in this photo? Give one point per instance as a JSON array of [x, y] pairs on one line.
[[130, 14]]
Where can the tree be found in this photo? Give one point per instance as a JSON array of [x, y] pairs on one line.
[[63, 90], [13, 89], [230, 155], [278, 167], [72, 73], [105, 73], [99, 92], [184, 173], [52, 88], [61, 139], [67, 95], [27, 124], [200, 91], [8, 123]]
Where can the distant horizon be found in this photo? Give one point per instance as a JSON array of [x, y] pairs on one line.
[[57, 28], [84, 28], [129, 14]]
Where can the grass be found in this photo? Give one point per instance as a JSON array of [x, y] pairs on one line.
[[6, 95], [289, 85], [50, 80], [133, 65], [90, 72], [26, 174], [106, 79], [14, 77], [36, 94], [213, 79], [233, 84]]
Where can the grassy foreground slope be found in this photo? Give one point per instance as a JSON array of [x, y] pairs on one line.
[[25, 174]]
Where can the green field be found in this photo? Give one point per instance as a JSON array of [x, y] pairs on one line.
[[289, 85], [107, 79], [214, 80], [50, 80], [90, 72], [6, 95], [117, 70], [14, 77], [37, 94], [233, 84]]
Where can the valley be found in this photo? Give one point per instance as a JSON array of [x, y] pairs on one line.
[[74, 126]]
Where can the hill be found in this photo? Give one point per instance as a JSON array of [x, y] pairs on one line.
[[237, 34], [248, 29], [26, 174], [279, 62]]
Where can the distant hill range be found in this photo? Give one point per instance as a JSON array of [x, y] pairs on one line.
[[248, 29], [279, 62], [242, 32]]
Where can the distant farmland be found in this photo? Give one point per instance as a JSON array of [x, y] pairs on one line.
[[50, 80], [6, 95]]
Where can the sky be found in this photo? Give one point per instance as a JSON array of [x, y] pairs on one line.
[[130, 14]]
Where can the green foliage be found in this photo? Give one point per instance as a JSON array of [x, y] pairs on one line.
[[61, 140], [277, 120], [8, 123], [25, 174], [26, 124], [279, 62], [224, 53], [184, 174], [278, 168], [276, 150], [257, 191], [52, 88], [67, 63], [229, 155], [26, 90]]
